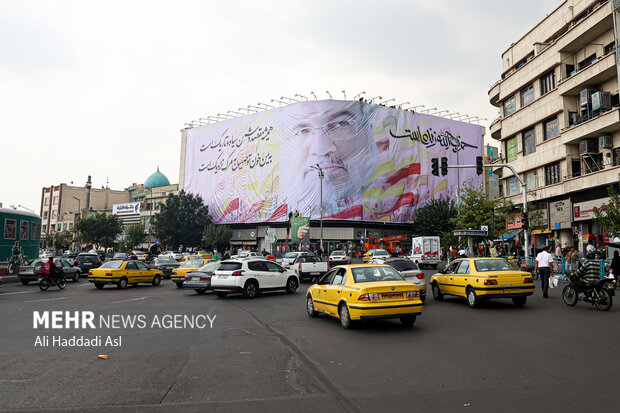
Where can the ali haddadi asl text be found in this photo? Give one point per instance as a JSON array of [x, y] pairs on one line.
[[78, 341]]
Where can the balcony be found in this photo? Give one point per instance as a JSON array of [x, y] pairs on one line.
[[588, 29], [605, 123], [595, 74], [496, 128], [494, 93]]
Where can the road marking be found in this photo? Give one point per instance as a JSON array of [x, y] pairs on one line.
[[132, 299], [46, 299], [18, 292]]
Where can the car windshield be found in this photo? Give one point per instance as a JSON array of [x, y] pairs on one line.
[[210, 267], [112, 264], [193, 264], [403, 265], [492, 265], [337, 253], [372, 274], [119, 255], [166, 260], [290, 255], [381, 252], [87, 258]]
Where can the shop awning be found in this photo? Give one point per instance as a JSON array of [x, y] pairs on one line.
[[508, 235]]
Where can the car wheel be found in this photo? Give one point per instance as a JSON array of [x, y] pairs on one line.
[[99, 286], [310, 307], [25, 282], [250, 290], [407, 321], [291, 285], [437, 295], [156, 280], [76, 277], [122, 283], [200, 290], [472, 298], [221, 294], [519, 301], [345, 317]]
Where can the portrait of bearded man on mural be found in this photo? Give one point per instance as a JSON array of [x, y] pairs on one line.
[[335, 136]]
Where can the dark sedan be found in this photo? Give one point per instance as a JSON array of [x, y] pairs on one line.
[[200, 280], [165, 264], [26, 272]]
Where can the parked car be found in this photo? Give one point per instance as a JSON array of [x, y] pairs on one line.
[[408, 269], [165, 263], [289, 257], [27, 272], [481, 278], [86, 261], [364, 292], [122, 273], [309, 267], [250, 276], [339, 257], [200, 280]]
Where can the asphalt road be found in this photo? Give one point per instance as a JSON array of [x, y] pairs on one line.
[[267, 355]]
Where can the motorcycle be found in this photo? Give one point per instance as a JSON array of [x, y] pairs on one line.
[[599, 294], [47, 280]]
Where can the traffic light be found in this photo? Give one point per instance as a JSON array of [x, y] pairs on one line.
[[444, 166], [524, 221], [435, 166], [479, 165]]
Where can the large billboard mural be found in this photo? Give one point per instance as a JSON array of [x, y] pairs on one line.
[[376, 162]]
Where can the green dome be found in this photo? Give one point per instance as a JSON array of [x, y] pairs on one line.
[[156, 179]]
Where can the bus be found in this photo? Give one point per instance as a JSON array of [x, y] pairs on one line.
[[19, 226]]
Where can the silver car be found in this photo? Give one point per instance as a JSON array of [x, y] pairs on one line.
[[410, 271], [200, 280]]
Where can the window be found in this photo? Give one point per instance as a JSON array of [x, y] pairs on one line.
[[547, 82], [551, 128], [55, 201], [609, 48], [131, 266], [570, 70], [552, 173], [463, 268], [529, 141], [10, 228], [616, 156], [527, 95], [54, 214], [45, 215], [34, 231], [141, 266], [586, 62], [46, 202], [510, 105], [511, 149], [24, 226], [513, 186], [70, 225], [44, 227], [531, 179], [576, 165]]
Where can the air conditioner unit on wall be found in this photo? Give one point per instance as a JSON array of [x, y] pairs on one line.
[[585, 97], [606, 142], [588, 146]]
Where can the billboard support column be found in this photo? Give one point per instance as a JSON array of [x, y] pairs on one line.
[[321, 176]]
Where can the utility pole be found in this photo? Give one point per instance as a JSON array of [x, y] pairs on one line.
[[321, 176]]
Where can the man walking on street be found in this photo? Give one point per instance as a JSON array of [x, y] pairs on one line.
[[544, 262]]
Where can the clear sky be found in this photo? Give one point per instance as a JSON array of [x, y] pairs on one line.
[[103, 88]]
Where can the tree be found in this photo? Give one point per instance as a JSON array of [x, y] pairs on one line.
[[475, 210], [48, 240], [100, 229], [63, 238], [434, 218], [135, 235], [181, 220], [217, 236], [608, 216]]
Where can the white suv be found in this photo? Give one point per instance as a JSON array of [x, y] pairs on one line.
[[251, 275]]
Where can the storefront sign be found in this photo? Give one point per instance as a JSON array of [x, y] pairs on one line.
[[514, 223], [559, 214], [584, 210]]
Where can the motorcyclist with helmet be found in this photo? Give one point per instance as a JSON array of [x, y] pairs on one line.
[[589, 272]]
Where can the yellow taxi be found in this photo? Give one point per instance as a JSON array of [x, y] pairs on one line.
[[192, 257], [178, 274], [482, 278], [206, 255], [375, 253], [123, 272], [364, 292]]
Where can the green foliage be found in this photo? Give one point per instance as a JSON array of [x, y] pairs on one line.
[[608, 216], [101, 229], [135, 235], [181, 220], [48, 240], [63, 238], [475, 210], [434, 218], [217, 236]]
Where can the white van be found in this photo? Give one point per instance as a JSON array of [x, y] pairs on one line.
[[425, 251]]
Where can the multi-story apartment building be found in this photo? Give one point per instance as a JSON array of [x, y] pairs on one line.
[[559, 123], [61, 204]]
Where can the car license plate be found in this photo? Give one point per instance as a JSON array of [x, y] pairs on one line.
[[391, 296], [512, 290], [314, 273], [195, 278]]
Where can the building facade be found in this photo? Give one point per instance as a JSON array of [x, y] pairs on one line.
[[559, 123]]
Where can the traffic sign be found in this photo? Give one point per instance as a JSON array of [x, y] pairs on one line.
[[484, 228], [362, 237]]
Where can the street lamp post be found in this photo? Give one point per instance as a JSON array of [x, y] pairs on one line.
[[321, 176]]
